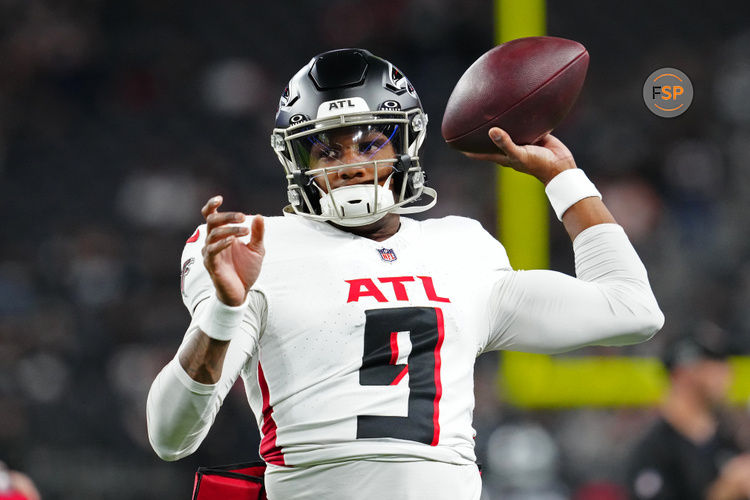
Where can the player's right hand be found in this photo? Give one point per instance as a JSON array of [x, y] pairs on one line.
[[234, 266], [544, 159]]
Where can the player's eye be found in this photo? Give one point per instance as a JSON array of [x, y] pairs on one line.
[[372, 146]]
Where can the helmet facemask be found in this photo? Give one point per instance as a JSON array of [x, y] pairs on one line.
[[372, 110], [354, 169]]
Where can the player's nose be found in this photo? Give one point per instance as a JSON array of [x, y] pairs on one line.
[[352, 172], [354, 166]]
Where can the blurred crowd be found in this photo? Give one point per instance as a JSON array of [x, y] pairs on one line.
[[119, 119]]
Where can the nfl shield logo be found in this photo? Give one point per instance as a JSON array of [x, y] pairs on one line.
[[387, 254]]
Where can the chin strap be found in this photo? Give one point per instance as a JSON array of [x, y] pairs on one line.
[[356, 205], [352, 206], [420, 208]]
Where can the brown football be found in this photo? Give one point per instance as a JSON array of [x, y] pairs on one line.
[[525, 86]]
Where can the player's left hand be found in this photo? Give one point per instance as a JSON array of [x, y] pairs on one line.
[[544, 159], [233, 266]]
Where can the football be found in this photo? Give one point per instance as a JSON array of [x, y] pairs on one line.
[[525, 86]]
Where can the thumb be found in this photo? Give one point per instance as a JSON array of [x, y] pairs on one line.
[[257, 230], [502, 140]]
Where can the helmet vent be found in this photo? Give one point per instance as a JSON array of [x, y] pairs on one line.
[[339, 68]]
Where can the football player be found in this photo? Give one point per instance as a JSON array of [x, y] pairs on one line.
[[355, 329]]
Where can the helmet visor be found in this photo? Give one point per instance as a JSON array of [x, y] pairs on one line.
[[369, 146]]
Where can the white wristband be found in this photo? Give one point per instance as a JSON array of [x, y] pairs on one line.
[[568, 188], [220, 321]]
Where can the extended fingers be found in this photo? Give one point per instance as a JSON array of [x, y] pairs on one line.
[[211, 250], [218, 219], [215, 218], [258, 231], [211, 206], [498, 158], [222, 232]]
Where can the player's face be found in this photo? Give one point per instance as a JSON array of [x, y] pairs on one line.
[[351, 155]]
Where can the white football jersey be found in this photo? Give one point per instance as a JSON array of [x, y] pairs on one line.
[[365, 349]]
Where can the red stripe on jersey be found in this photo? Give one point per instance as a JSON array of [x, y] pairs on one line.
[[270, 452], [394, 347], [400, 375], [194, 237], [438, 384]]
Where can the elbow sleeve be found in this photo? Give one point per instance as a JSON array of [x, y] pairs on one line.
[[609, 303], [605, 256], [178, 412]]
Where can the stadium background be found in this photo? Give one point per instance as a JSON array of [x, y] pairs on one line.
[[118, 120]]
